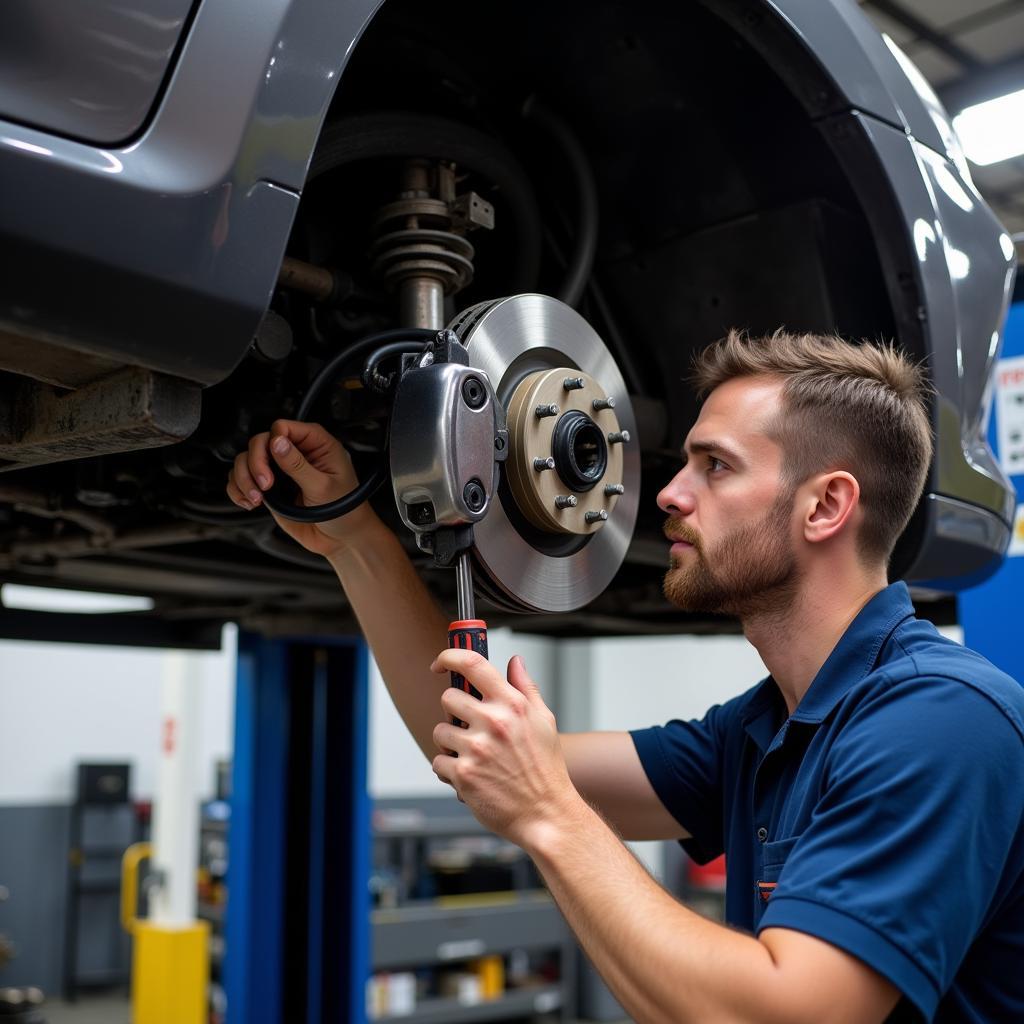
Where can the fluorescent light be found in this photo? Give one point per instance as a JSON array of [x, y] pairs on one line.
[[47, 599], [993, 130]]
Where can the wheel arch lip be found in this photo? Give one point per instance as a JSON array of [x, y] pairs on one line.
[[868, 70]]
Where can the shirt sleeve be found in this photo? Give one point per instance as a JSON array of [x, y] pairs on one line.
[[684, 762], [906, 849]]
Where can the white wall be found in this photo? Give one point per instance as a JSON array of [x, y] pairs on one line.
[[397, 767], [635, 682], [63, 703]]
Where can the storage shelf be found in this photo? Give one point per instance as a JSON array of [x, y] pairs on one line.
[[99, 885], [518, 915], [450, 1011], [429, 829], [414, 935]]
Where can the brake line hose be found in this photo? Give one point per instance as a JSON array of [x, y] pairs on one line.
[[385, 343]]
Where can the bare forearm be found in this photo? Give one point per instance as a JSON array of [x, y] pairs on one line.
[[665, 964], [400, 621]]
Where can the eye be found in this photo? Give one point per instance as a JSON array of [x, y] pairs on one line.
[[714, 465]]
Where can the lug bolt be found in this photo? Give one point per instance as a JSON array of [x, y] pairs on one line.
[[573, 383], [611, 489], [541, 464], [546, 410], [566, 501], [618, 436], [604, 403], [595, 517]]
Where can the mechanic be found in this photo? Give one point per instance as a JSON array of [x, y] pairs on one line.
[[868, 793]]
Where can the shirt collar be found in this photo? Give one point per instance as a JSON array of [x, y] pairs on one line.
[[852, 658], [856, 653]]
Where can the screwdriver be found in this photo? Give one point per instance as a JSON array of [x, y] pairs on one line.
[[467, 633]]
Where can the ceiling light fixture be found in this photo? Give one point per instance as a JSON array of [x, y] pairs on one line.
[[47, 599], [993, 130]]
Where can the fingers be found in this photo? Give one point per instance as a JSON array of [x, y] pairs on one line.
[[242, 486], [315, 484], [477, 669], [520, 679], [320, 449], [461, 705], [236, 495], [259, 460], [449, 739], [311, 456], [443, 766]]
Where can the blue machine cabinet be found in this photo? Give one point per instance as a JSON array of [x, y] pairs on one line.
[[297, 929], [991, 612]]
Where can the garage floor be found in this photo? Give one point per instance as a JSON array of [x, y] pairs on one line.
[[111, 1010], [88, 1010]]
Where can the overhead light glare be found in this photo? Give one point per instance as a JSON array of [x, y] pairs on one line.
[[993, 130], [46, 599]]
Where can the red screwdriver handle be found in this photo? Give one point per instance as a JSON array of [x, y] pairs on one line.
[[467, 635]]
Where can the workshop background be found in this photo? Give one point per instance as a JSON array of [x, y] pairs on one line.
[[80, 727]]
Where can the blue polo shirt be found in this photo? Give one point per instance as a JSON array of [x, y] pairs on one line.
[[885, 815]]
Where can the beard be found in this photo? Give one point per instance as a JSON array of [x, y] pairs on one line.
[[750, 571]]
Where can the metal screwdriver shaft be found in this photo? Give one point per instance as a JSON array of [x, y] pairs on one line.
[[464, 587], [467, 633]]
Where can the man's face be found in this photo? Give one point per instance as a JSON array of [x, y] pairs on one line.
[[730, 514]]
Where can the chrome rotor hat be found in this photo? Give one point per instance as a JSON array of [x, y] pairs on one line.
[[571, 485]]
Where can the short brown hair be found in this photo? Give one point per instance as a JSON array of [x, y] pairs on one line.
[[861, 408]]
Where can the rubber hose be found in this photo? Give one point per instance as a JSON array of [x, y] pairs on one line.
[[274, 498], [581, 260]]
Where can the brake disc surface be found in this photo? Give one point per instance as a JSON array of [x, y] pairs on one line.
[[531, 555]]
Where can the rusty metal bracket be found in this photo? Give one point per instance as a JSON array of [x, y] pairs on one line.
[[126, 411]]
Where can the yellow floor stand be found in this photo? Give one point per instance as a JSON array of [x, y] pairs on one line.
[[170, 973]]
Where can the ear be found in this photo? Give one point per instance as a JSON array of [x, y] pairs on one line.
[[832, 502]]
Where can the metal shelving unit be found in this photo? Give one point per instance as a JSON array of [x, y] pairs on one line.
[[103, 822], [447, 930], [512, 1005], [439, 934]]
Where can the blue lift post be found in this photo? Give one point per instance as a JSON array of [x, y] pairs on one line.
[[297, 929], [990, 613]]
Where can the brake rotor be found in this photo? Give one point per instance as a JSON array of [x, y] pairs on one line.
[[567, 504]]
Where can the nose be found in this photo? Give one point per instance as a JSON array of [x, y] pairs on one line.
[[676, 497]]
